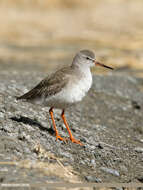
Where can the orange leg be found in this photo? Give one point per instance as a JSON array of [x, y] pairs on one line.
[[70, 134], [55, 128]]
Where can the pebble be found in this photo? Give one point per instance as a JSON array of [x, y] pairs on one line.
[[110, 171], [23, 136], [140, 179], [123, 169], [93, 179], [1, 115], [4, 169], [8, 128], [93, 163], [139, 149], [141, 140]]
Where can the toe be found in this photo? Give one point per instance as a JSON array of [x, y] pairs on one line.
[[76, 141], [61, 138]]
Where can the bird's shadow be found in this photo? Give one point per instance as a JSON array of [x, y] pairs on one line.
[[29, 121]]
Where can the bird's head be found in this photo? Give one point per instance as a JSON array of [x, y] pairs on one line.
[[87, 58]]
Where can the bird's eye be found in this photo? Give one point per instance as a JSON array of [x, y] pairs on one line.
[[87, 58]]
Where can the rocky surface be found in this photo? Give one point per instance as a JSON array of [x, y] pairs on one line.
[[108, 121], [35, 38]]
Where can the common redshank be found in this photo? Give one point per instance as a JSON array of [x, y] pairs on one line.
[[65, 87]]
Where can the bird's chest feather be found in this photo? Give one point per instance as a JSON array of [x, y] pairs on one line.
[[79, 89], [73, 92]]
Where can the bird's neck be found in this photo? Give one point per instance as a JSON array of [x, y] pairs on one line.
[[81, 68]]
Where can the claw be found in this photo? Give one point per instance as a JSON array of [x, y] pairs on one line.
[[61, 138], [73, 140], [76, 141]]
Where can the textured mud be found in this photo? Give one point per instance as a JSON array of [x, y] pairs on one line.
[[108, 121]]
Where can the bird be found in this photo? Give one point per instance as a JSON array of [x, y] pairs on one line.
[[64, 88]]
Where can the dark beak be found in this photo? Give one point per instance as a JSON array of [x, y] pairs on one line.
[[102, 65]]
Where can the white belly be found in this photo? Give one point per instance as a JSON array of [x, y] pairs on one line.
[[72, 93]]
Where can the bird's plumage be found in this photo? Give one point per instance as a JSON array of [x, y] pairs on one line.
[[58, 90], [50, 85], [88, 53], [65, 87], [53, 84]]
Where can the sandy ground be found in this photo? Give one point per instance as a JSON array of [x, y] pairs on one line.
[[51, 33]]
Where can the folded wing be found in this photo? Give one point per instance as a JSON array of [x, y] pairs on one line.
[[49, 86]]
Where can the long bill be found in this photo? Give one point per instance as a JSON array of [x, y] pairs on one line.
[[102, 65]]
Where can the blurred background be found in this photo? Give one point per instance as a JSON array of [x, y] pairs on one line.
[[44, 34]]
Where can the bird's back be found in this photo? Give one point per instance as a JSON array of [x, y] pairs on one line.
[[50, 85]]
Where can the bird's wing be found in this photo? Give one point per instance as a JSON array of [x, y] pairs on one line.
[[49, 86]]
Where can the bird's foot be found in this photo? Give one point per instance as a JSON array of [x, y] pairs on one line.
[[61, 138], [76, 141], [66, 140]]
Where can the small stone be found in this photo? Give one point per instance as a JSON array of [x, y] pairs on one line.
[[123, 169], [140, 179], [110, 171], [4, 169], [8, 128], [26, 150], [23, 136], [139, 149], [136, 105], [93, 179], [2, 179], [141, 140], [84, 140], [1, 115], [100, 146], [93, 163]]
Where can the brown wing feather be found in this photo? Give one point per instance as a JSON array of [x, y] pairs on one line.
[[50, 85]]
